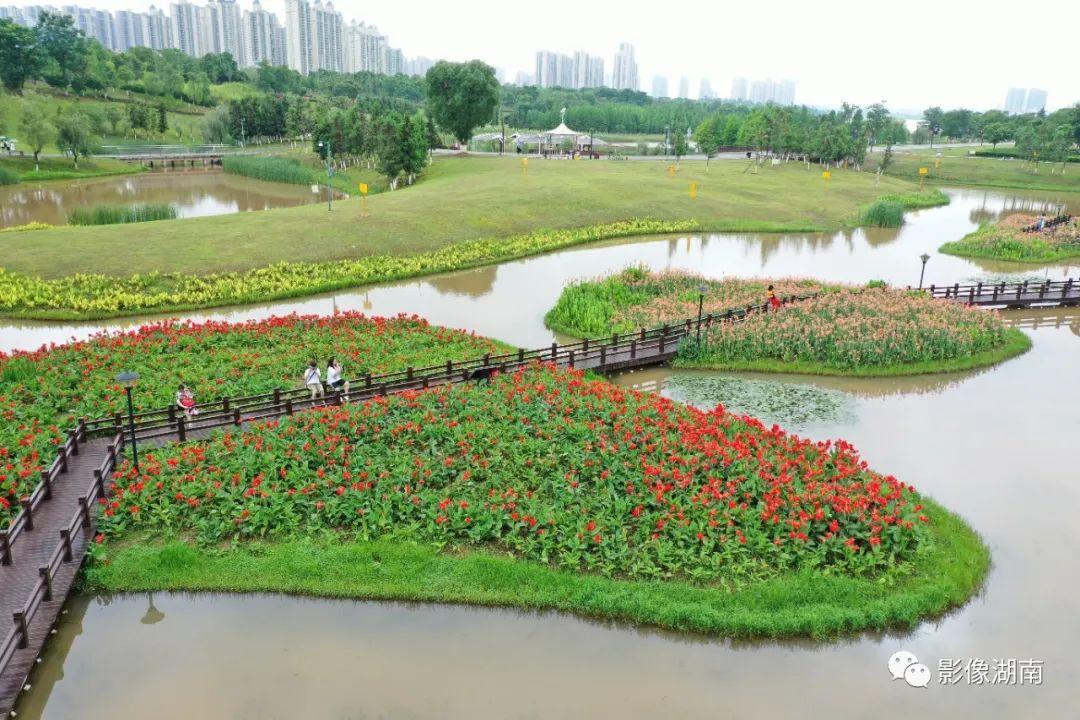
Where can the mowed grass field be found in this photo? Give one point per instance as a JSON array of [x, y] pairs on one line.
[[958, 168], [459, 198]]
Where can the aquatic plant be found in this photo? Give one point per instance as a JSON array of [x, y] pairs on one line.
[[270, 168], [117, 214], [883, 213]]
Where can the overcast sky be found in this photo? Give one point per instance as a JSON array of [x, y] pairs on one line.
[[912, 54]]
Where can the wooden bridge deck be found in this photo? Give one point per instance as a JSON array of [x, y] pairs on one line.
[[1048, 293], [21, 580]]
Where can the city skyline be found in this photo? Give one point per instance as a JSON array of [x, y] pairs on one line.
[[825, 77]]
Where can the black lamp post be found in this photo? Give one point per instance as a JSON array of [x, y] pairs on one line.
[[329, 173], [700, 306], [128, 379], [924, 257]]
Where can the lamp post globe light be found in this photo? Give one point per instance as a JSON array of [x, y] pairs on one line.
[[128, 379], [924, 257]]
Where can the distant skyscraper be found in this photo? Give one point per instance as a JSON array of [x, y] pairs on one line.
[[684, 87], [555, 70], [738, 89], [785, 93], [185, 28], [625, 71], [587, 71], [659, 87], [705, 91], [759, 92], [365, 48], [225, 28], [298, 36], [1014, 100], [259, 33], [1036, 100]]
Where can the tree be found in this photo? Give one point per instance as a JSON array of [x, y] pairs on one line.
[[162, 118], [932, 120], [432, 134], [461, 96], [414, 146], [995, 133], [73, 135], [390, 154], [707, 137], [678, 146], [20, 55], [65, 50], [36, 128], [877, 119]]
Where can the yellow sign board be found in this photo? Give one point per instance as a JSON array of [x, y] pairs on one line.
[[825, 175], [363, 188], [937, 163], [693, 190], [924, 171], [524, 166]]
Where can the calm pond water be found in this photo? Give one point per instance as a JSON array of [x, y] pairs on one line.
[[508, 301], [997, 446], [193, 192]]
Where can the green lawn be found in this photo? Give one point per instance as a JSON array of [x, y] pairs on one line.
[[957, 168], [56, 168], [949, 569], [462, 199]]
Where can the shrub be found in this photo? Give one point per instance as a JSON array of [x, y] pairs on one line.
[[117, 214], [8, 177], [271, 169], [884, 213]]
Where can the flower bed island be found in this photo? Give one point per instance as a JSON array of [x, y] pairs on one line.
[[840, 330], [43, 393], [543, 489], [1009, 239]]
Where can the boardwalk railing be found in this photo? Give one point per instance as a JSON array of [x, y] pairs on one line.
[[618, 350], [1025, 293], [81, 523]]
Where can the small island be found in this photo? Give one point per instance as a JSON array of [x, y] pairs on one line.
[[1020, 238], [833, 329]]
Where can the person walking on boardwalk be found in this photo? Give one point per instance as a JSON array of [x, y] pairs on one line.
[[335, 379], [774, 302], [313, 380]]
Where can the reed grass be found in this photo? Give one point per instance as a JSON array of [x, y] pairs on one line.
[[270, 169], [117, 214]]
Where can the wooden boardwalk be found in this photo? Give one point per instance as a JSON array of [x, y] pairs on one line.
[[1061, 293], [41, 567]]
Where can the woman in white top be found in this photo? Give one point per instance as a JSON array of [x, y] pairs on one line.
[[313, 380], [335, 380]]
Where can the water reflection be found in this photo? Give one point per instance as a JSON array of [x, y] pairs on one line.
[[193, 193]]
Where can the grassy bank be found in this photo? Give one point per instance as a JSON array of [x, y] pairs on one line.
[[56, 168], [1005, 240], [949, 569], [958, 168], [464, 199]]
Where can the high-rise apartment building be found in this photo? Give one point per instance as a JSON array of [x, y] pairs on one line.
[[768, 91], [314, 36], [659, 87], [1014, 100], [738, 89], [705, 91], [625, 70], [684, 87], [1036, 100]]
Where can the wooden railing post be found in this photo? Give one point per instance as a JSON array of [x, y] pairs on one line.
[[641, 335], [288, 406], [65, 541], [44, 573], [554, 351], [20, 628], [585, 346], [603, 356], [73, 434], [28, 512], [633, 349], [82, 429], [614, 339], [449, 368], [172, 415], [236, 416], [47, 483], [84, 507], [571, 358], [367, 379], [181, 429], [277, 397], [5, 548], [63, 460], [521, 355], [409, 373]]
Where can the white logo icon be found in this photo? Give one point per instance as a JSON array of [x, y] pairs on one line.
[[917, 675], [899, 662]]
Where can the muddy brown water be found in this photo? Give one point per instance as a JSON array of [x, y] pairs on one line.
[[193, 193], [998, 446]]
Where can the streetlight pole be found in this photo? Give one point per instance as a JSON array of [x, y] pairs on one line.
[[700, 306], [128, 380], [329, 174], [924, 257]]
